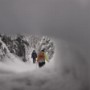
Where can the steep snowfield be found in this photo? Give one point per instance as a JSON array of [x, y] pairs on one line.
[[66, 71]]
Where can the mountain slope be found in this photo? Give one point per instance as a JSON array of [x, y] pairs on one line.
[[67, 70]]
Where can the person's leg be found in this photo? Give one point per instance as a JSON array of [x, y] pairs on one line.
[[41, 64], [34, 60]]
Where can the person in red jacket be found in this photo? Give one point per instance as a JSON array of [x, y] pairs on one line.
[[41, 58]]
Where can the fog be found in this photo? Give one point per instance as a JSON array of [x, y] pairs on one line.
[[66, 71], [66, 20]]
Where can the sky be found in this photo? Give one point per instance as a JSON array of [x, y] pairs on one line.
[[64, 19]]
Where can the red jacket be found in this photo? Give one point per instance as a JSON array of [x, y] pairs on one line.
[[41, 56]]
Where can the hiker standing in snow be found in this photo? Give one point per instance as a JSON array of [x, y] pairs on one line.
[[41, 58], [34, 56]]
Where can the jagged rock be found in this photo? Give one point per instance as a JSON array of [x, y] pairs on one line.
[[23, 45], [3, 50]]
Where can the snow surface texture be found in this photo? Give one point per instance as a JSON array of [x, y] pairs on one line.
[[67, 70]]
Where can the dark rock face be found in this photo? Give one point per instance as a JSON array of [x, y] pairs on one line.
[[15, 46], [22, 44], [3, 50]]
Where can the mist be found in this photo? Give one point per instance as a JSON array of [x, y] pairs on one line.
[[67, 21], [66, 70]]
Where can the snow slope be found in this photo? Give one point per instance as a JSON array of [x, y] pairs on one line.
[[66, 71]]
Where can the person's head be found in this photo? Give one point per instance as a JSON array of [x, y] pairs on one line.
[[33, 50], [43, 50]]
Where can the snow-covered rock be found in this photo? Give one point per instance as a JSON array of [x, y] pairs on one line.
[[23, 45], [3, 50]]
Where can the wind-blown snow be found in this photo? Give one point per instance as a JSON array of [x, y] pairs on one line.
[[16, 65], [66, 71]]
